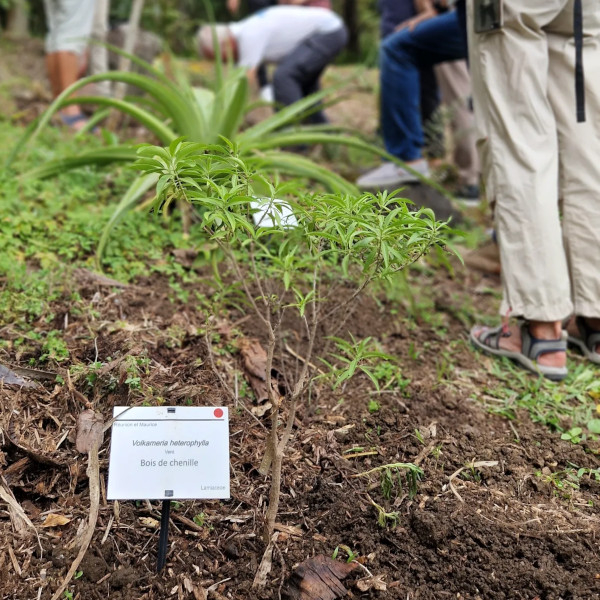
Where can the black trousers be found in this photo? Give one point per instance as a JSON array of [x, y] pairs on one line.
[[254, 5], [297, 75]]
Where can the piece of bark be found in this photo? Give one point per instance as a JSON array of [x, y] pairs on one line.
[[34, 373], [289, 529], [89, 431], [93, 473], [14, 471], [317, 578], [376, 583], [20, 521], [8, 377], [266, 564]]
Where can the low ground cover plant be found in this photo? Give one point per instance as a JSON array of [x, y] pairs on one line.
[[171, 107], [292, 251]]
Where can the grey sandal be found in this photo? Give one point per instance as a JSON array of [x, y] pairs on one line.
[[531, 349], [588, 341]]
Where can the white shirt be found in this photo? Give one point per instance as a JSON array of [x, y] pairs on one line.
[[272, 33]]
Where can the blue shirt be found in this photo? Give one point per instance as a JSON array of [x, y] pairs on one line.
[[393, 12]]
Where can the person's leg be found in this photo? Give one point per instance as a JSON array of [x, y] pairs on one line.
[[429, 103], [70, 24], [402, 55], [254, 6], [301, 68], [98, 57], [51, 44], [579, 145], [510, 80], [455, 86], [318, 117]]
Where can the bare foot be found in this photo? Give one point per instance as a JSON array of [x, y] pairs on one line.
[[74, 120], [538, 329]]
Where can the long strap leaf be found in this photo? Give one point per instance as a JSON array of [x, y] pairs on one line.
[[292, 164], [136, 190], [284, 116], [134, 59], [100, 156], [172, 102], [229, 108], [156, 126], [291, 138]]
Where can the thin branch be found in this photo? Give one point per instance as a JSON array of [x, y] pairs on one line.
[[348, 301], [257, 279], [238, 272]]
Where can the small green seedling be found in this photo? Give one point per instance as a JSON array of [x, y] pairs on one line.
[[384, 518], [354, 449], [391, 477], [419, 436], [201, 519], [573, 435], [373, 406], [353, 355], [594, 426], [349, 553]]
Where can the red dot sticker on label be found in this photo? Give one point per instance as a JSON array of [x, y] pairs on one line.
[[218, 413]]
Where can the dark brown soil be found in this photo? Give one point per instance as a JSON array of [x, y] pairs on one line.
[[493, 531]]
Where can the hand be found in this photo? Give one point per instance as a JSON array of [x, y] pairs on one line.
[[233, 6], [411, 23]]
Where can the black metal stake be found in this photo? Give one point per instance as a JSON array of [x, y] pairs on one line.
[[163, 535]]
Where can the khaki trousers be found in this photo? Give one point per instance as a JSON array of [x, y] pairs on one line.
[[534, 152]]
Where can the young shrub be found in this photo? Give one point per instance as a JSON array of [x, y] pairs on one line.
[[291, 251]]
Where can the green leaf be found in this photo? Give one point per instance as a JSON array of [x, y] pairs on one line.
[[136, 190], [293, 164], [284, 117], [594, 425], [97, 157], [145, 118]]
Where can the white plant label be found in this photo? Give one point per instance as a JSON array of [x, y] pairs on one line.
[[160, 452], [273, 213]]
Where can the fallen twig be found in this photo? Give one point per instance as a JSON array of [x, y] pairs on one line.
[[18, 517], [93, 473], [302, 359], [266, 564]]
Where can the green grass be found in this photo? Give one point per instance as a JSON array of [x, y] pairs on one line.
[[573, 403], [50, 227]]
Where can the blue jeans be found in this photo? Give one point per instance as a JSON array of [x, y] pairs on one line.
[[402, 55]]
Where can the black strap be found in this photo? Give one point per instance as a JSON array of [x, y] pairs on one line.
[[533, 347], [579, 79]]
